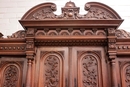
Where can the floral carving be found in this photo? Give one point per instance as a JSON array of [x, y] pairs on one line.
[[98, 13], [51, 72], [127, 76], [90, 78], [11, 76], [71, 11], [45, 13]]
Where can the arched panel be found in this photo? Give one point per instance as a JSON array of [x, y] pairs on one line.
[[51, 73], [40, 33], [125, 75], [89, 70], [11, 74]]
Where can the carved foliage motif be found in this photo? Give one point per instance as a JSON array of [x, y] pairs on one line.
[[98, 13], [89, 69], [127, 75], [51, 72], [70, 11], [11, 76], [45, 13]]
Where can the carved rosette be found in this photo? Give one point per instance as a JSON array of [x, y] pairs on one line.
[[89, 69], [51, 72], [11, 75]]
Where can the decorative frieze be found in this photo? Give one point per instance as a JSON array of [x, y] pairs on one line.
[[71, 32]]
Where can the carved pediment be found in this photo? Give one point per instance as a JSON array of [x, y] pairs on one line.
[[18, 34], [122, 34], [70, 11]]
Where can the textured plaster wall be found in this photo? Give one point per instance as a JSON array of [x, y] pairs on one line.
[[12, 10]]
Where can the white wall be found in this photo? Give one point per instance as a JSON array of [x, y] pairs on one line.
[[12, 10]]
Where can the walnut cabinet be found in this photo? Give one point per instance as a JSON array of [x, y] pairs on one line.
[[67, 50]]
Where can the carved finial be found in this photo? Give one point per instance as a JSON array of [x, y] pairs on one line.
[[70, 4]]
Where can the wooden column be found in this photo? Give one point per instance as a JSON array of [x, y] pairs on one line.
[[29, 55], [29, 70], [112, 55]]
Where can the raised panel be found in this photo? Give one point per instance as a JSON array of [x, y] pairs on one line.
[[125, 74], [11, 72], [53, 70], [90, 69], [11, 76]]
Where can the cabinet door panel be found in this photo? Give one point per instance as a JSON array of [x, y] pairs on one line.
[[11, 72], [88, 61], [53, 71], [125, 74]]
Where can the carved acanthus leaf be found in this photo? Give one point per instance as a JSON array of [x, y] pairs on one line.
[[45, 13], [18, 34], [98, 13], [122, 34]]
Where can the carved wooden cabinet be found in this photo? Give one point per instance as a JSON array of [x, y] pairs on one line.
[[67, 50]]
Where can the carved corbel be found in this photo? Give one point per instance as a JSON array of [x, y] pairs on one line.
[[111, 43]]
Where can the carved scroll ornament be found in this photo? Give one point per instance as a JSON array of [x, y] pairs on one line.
[[70, 11]]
